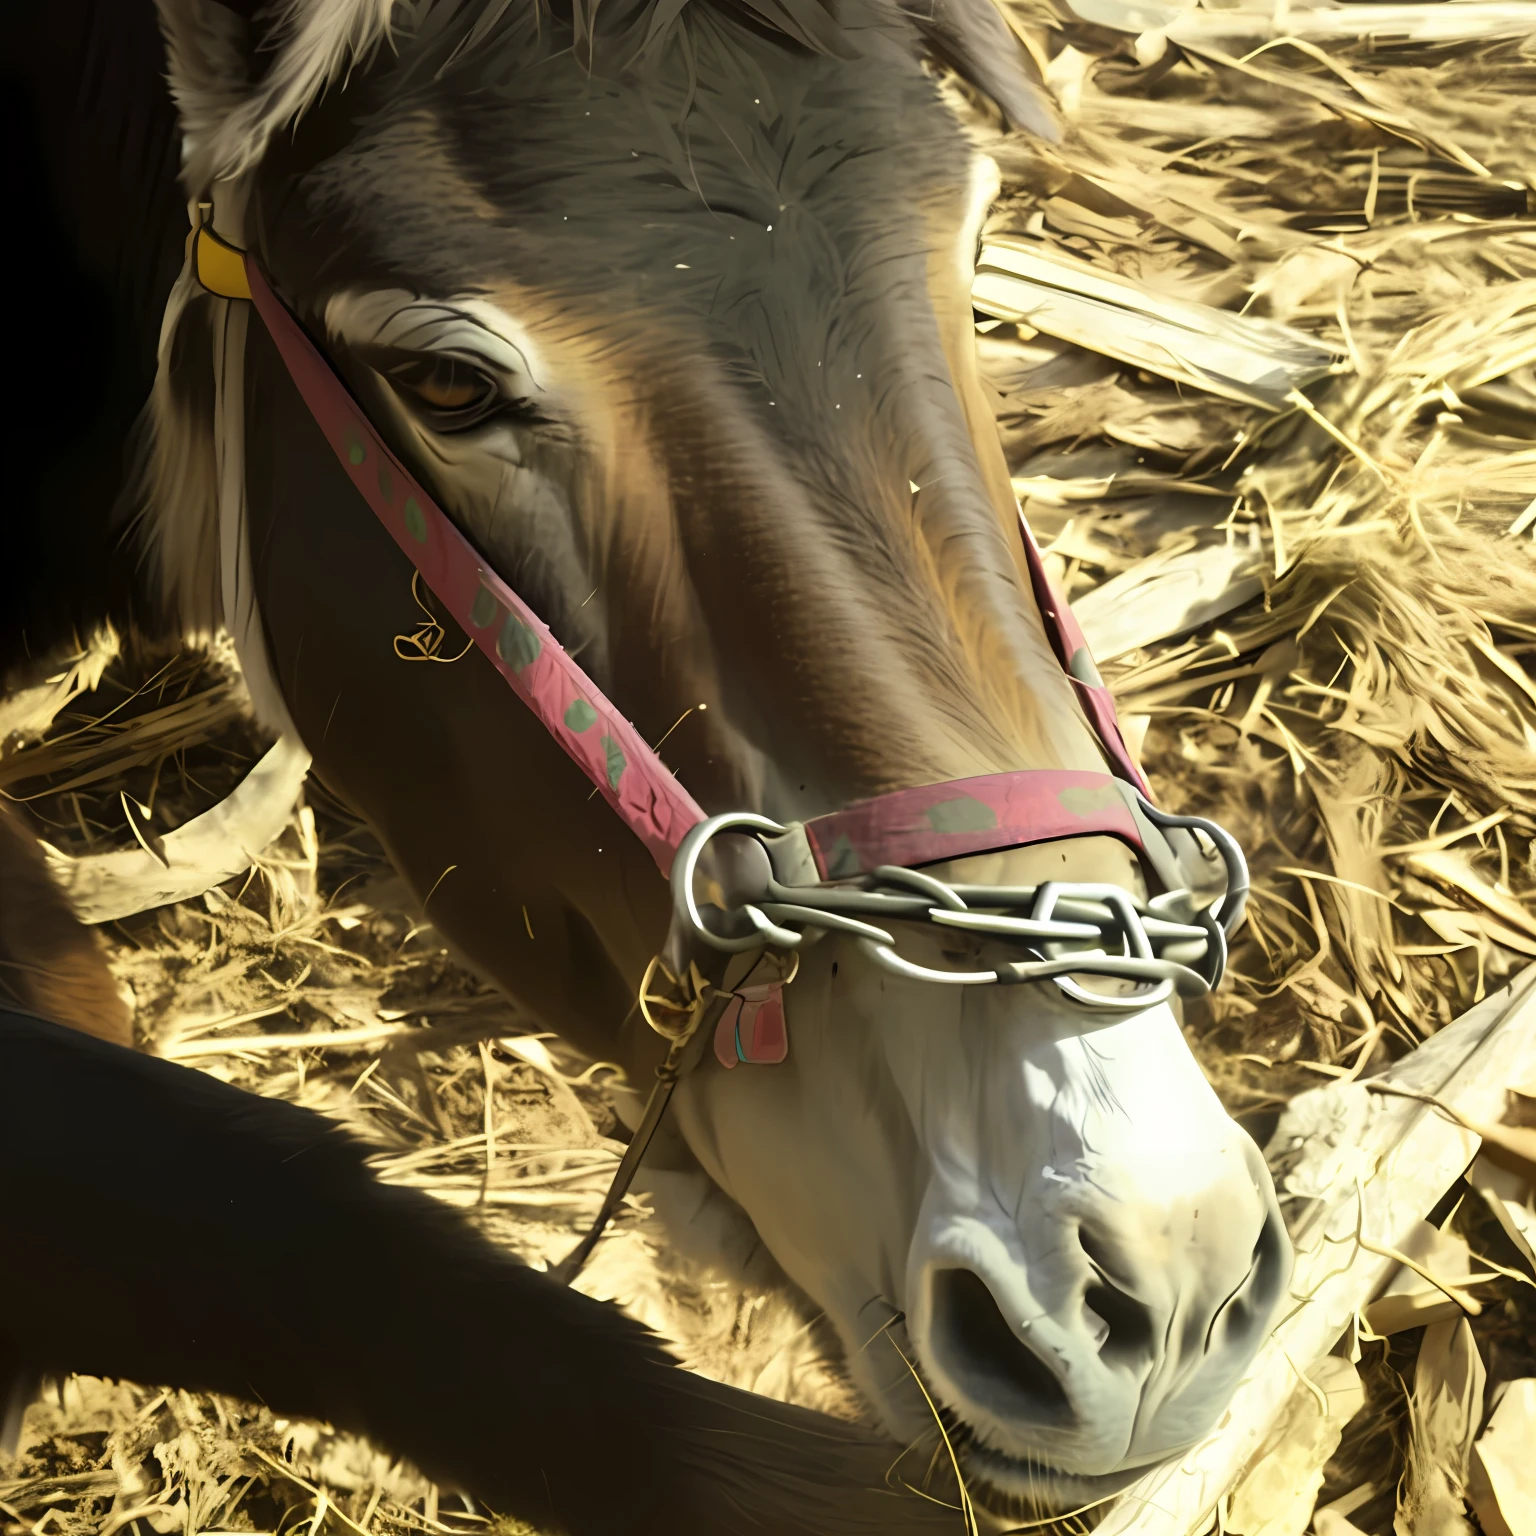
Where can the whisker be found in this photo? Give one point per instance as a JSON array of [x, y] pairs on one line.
[[967, 1509]]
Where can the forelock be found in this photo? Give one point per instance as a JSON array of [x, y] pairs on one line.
[[241, 73]]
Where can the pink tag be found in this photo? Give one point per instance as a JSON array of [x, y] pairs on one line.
[[752, 1028]]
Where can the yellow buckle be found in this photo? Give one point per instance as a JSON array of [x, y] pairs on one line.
[[218, 266]]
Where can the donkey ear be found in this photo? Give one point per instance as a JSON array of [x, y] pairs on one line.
[[973, 38], [243, 69]]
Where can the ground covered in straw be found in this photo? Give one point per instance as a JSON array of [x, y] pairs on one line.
[[1311, 586]]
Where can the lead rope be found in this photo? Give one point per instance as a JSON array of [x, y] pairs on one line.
[[686, 1018]]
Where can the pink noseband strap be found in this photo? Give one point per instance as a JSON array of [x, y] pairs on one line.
[[939, 822]]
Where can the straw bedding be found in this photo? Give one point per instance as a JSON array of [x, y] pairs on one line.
[[1355, 700]]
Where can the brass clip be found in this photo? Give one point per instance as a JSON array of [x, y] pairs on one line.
[[673, 1014]]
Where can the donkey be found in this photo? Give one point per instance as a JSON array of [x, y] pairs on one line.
[[668, 308]]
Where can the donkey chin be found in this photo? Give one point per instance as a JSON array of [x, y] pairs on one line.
[[1031, 1220]]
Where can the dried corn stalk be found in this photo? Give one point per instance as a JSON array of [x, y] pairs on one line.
[[1254, 361]]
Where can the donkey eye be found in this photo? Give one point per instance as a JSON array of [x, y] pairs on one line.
[[454, 391]]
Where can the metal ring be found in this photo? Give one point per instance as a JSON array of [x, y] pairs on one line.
[[1235, 900], [686, 864]]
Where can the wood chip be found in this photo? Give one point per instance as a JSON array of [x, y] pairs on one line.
[[1501, 1486]]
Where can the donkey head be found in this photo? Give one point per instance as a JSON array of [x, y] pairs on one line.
[[669, 307]]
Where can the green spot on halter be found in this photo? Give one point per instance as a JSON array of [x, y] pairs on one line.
[[415, 520], [842, 859], [580, 716], [616, 761], [484, 609], [1086, 802], [962, 814], [517, 645], [357, 450]]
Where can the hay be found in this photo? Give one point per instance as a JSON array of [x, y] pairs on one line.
[[1317, 608], [1366, 725]]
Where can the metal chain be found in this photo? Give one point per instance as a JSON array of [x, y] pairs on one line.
[[1065, 929]]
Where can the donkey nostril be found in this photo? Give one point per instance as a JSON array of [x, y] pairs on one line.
[[976, 1344], [1128, 1323]]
